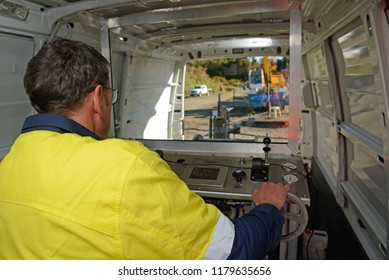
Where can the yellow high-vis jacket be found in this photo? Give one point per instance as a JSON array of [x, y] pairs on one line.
[[71, 196]]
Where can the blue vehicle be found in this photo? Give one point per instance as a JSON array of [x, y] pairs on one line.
[[258, 101]]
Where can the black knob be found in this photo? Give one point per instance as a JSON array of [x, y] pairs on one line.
[[238, 174], [266, 140], [266, 149]]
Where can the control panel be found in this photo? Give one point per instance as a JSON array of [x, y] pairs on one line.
[[232, 171], [226, 174], [237, 177]]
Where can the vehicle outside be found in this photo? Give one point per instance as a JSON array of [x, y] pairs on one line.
[[199, 90]]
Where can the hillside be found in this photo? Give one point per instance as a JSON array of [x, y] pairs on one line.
[[227, 74], [218, 75]]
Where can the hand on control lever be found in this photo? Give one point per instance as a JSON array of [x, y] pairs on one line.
[[271, 193]]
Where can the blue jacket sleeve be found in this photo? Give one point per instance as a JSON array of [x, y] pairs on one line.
[[256, 232]]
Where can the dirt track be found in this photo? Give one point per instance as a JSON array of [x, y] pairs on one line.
[[199, 109]]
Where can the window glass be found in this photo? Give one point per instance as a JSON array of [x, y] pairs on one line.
[[369, 171], [362, 97], [245, 100]]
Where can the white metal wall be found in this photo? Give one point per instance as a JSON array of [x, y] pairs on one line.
[[145, 111], [15, 52], [350, 96]]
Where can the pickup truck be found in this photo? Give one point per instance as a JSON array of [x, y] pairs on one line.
[[199, 90]]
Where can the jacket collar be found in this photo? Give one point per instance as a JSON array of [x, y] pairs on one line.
[[56, 123]]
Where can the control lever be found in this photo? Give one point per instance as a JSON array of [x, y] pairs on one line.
[[266, 149], [260, 168]]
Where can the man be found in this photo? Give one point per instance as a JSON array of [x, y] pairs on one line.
[[68, 192]]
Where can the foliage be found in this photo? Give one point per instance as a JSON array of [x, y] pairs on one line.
[[218, 75], [221, 74]]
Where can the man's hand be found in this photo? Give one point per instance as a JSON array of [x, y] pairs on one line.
[[271, 193]]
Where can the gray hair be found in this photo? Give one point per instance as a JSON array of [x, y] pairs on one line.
[[62, 73]]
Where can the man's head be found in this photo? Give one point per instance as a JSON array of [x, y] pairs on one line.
[[68, 77]]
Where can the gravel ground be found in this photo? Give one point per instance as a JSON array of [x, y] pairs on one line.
[[199, 109]]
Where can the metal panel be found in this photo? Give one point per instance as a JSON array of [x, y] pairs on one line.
[[225, 10], [295, 78], [146, 108], [15, 52], [381, 37]]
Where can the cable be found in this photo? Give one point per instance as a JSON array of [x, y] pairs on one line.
[[309, 240]]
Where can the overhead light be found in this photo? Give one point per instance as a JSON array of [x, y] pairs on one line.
[[13, 10]]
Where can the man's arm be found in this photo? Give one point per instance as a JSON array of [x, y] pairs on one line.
[[256, 232]]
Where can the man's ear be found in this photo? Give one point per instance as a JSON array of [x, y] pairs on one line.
[[98, 100]]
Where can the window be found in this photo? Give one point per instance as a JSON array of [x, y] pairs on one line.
[[361, 95], [240, 106]]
